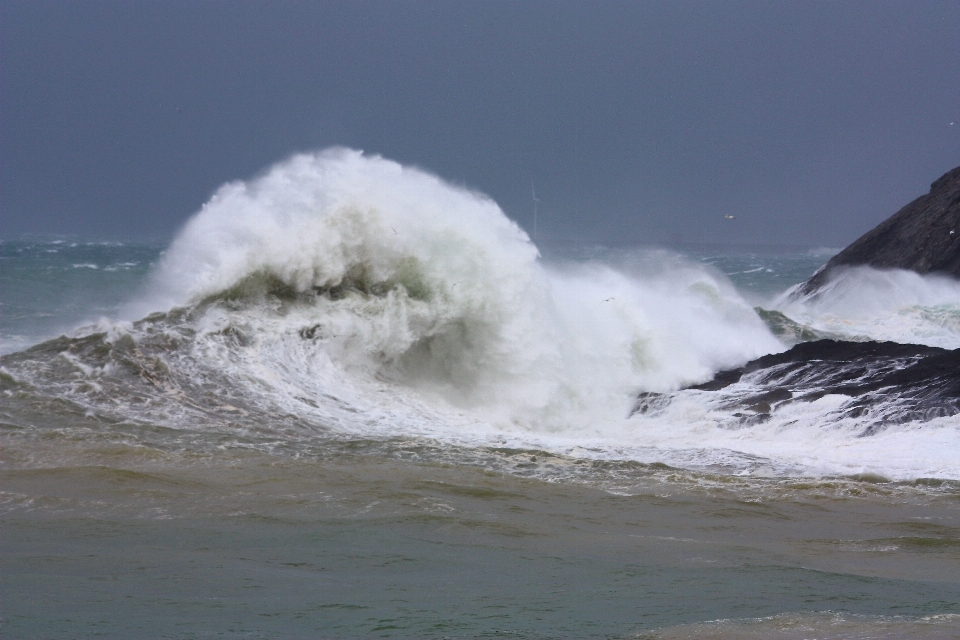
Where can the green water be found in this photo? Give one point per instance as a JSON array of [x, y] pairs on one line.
[[50, 287]]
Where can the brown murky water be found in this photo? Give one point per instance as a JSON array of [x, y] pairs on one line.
[[390, 538]]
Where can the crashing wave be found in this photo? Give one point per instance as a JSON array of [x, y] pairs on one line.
[[345, 293]]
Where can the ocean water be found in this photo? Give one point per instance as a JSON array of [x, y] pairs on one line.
[[351, 400]]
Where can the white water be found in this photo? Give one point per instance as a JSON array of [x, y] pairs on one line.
[[463, 308], [861, 303], [443, 322]]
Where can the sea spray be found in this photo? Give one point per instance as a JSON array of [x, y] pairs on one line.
[[343, 266], [863, 303]]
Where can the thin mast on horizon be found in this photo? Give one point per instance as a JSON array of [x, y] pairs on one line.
[[535, 201]]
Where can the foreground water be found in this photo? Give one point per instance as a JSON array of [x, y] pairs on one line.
[[393, 539], [351, 401]]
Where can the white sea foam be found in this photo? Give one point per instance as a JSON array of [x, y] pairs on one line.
[[801, 438], [861, 303]]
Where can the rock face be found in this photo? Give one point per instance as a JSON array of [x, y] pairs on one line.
[[887, 383], [924, 236]]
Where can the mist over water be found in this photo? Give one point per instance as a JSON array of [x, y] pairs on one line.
[[861, 303]]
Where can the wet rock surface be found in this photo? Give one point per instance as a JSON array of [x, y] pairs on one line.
[[890, 383]]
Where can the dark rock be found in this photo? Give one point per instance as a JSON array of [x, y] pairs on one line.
[[924, 236], [889, 381]]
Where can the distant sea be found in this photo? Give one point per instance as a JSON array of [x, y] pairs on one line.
[[350, 400]]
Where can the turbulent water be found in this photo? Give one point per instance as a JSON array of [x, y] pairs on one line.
[[353, 400]]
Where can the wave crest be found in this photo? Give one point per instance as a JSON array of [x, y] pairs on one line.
[[388, 272]]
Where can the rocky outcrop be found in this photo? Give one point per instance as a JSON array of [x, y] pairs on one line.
[[887, 382], [924, 236]]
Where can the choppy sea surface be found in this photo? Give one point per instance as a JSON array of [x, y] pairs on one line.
[[350, 400]]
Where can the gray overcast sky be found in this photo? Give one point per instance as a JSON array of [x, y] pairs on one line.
[[638, 121]]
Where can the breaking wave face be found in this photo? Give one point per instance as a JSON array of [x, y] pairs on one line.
[[353, 273]]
